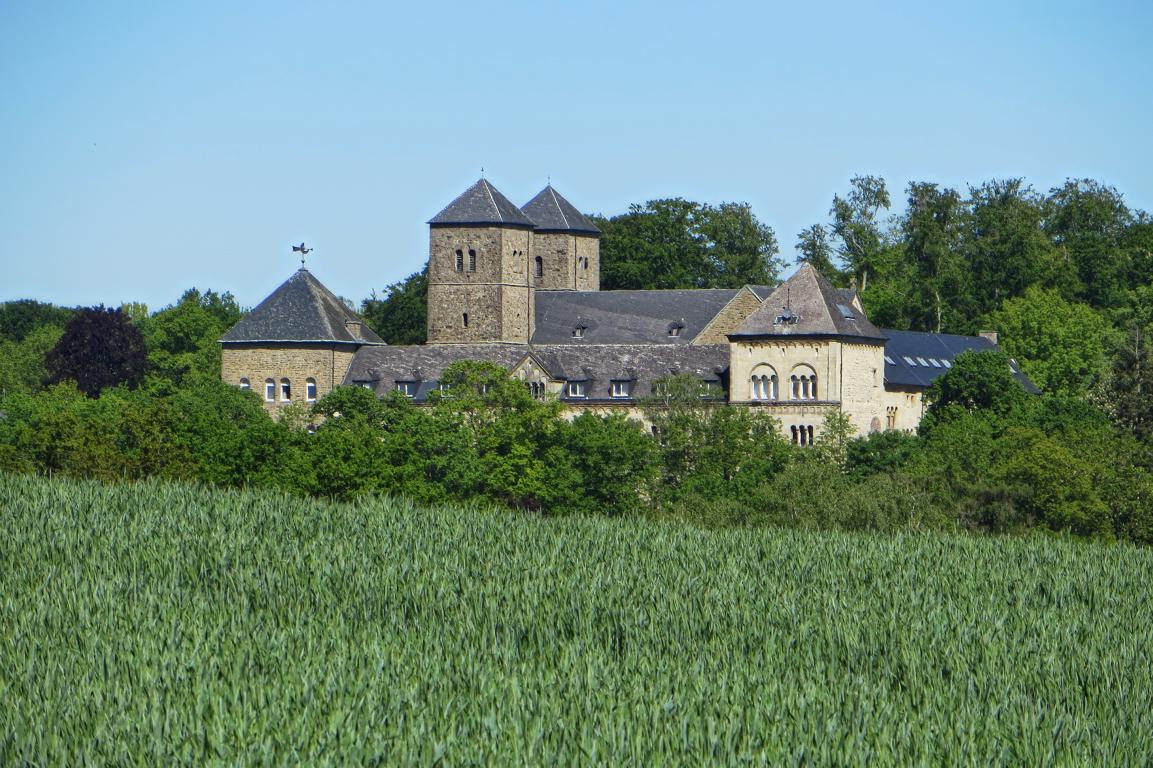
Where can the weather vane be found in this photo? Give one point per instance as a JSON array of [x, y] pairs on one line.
[[302, 251]]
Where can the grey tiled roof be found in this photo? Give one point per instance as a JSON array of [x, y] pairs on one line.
[[816, 308], [482, 203], [301, 309], [626, 317], [597, 365], [552, 213], [919, 358]]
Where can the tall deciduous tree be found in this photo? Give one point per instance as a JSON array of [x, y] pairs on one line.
[[859, 232], [1087, 221], [100, 348], [401, 315], [933, 227]]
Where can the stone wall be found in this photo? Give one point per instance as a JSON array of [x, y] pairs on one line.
[[494, 296], [729, 318], [863, 385], [557, 252], [325, 363], [587, 248]]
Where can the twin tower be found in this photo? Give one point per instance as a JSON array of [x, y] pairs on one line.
[[487, 258]]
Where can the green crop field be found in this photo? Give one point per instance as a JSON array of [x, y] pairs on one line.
[[155, 624]]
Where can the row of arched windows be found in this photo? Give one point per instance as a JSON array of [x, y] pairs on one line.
[[802, 384], [802, 434], [471, 260], [271, 390]]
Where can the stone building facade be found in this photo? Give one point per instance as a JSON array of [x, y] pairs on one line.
[[520, 287]]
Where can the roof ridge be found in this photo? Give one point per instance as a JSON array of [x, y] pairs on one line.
[[559, 207], [492, 199]]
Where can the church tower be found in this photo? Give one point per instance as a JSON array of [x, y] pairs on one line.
[[479, 279], [565, 245]]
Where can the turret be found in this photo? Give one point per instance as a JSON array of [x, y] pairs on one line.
[[566, 245]]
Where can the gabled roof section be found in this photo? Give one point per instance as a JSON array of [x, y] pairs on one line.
[[627, 317], [552, 213], [302, 309], [915, 359], [482, 203], [808, 305]]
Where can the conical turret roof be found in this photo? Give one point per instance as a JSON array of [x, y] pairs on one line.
[[808, 305], [552, 213], [302, 309], [482, 203]]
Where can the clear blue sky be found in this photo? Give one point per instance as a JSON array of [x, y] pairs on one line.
[[148, 147]]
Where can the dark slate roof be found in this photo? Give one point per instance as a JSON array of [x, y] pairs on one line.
[[626, 317], [301, 309], [816, 309], [598, 366], [552, 213], [919, 358], [642, 364], [482, 203], [382, 367]]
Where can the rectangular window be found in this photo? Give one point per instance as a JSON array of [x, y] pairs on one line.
[[576, 389], [620, 388], [407, 388], [269, 391], [310, 391]]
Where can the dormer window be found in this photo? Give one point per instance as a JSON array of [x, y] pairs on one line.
[[578, 330], [577, 389], [786, 318], [406, 388], [675, 329], [620, 389]]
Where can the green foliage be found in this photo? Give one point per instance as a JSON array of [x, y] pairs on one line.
[[401, 317], [99, 348], [977, 380], [681, 244], [23, 368], [183, 339], [879, 452], [161, 623], [20, 318], [1059, 345]]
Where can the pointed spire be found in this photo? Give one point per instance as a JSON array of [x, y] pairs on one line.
[[482, 203], [552, 213]]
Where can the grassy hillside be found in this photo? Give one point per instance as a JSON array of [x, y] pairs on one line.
[[156, 623]]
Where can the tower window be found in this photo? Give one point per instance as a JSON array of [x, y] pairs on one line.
[[471, 260], [538, 269], [459, 260], [465, 318]]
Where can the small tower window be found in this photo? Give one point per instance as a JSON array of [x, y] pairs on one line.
[[244, 384], [586, 262], [459, 260], [269, 390], [310, 390], [471, 260], [464, 317], [538, 268], [285, 390]]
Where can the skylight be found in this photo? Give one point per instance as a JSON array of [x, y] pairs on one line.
[[921, 360], [910, 361], [947, 364], [847, 312], [890, 360], [935, 362]]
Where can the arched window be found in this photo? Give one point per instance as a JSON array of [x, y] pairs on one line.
[[459, 260], [464, 317], [244, 384], [538, 268], [803, 383], [764, 383], [586, 262], [793, 429], [285, 390], [810, 431], [471, 260], [269, 390], [310, 390]]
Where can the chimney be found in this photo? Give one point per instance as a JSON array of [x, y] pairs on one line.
[[990, 335]]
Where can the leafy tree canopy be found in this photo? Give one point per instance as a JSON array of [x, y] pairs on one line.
[[100, 348], [401, 316]]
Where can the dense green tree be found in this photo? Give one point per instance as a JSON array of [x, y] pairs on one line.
[[932, 229], [183, 339], [23, 368], [1060, 345], [813, 247], [677, 243], [860, 235], [1087, 221], [1006, 247], [401, 315], [19, 318], [977, 381], [879, 452], [99, 348]]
